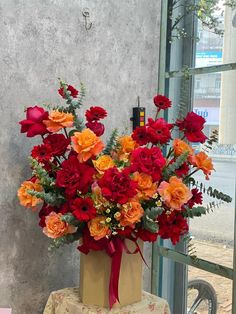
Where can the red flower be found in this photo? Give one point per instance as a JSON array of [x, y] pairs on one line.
[[172, 226], [117, 186], [182, 171], [146, 235], [192, 126], [58, 143], [96, 127], [74, 176], [33, 125], [90, 244], [43, 153], [162, 102], [159, 131], [196, 198], [73, 92], [149, 161], [126, 232], [95, 114], [83, 209], [140, 135]]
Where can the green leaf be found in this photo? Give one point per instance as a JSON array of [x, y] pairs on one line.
[[149, 219], [171, 168], [66, 239], [112, 142]]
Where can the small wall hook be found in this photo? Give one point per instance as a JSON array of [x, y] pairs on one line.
[[86, 15]]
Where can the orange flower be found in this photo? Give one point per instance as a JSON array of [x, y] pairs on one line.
[[127, 145], [86, 144], [103, 163], [130, 214], [55, 227], [98, 228], [174, 193], [58, 120], [180, 147], [25, 198], [146, 188], [203, 162]]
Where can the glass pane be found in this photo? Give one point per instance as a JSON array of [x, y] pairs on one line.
[[216, 45]]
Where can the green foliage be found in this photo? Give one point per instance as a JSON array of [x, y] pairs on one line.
[[171, 168], [52, 198], [213, 139], [70, 219], [45, 180], [214, 193], [195, 212], [112, 142], [149, 219], [66, 239]]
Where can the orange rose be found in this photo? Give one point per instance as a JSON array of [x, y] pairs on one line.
[[103, 163], [127, 145], [131, 213], [180, 147], [58, 120], [86, 144], [25, 198], [146, 188], [203, 162], [55, 227], [174, 193], [98, 228]]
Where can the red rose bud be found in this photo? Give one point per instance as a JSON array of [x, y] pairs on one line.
[[95, 114], [96, 127], [73, 92], [58, 143], [161, 102], [33, 124], [192, 126]]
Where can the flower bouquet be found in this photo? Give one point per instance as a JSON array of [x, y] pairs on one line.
[[137, 186]]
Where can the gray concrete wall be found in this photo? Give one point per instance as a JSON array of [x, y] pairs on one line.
[[42, 40]]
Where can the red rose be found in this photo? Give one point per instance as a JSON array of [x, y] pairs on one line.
[[172, 226], [146, 235], [58, 143], [96, 127], [196, 198], [192, 126], [149, 161], [117, 186], [33, 125], [140, 135], [73, 92], [42, 153], [95, 114], [74, 176], [83, 208], [162, 102], [159, 131]]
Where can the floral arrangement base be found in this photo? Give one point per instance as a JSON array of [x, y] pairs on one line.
[[95, 270]]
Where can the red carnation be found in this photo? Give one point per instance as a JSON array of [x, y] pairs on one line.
[[159, 131], [162, 102], [117, 186], [83, 208], [172, 226], [73, 92], [58, 143], [95, 114], [43, 153], [192, 126], [33, 125], [96, 127], [196, 198], [140, 135], [74, 176], [146, 235], [149, 161]]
